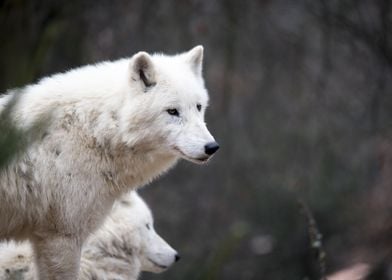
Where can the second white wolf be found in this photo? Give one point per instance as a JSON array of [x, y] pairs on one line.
[[125, 245]]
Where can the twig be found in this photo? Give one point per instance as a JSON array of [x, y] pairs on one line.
[[315, 238]]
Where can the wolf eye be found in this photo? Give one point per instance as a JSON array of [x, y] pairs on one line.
[[198, 106], [147, 226], [173, 112]]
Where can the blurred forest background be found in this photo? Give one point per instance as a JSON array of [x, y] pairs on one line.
[[301, 104]]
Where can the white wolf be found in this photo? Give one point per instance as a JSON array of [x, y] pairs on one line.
[[114, 126], [122, 247]]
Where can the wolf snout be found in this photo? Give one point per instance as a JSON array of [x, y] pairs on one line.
[[211, 148], [177, 257]]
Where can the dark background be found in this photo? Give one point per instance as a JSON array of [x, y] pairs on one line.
[[301, 104]]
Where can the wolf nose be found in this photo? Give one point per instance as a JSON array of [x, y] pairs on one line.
[[177, 257], [211, 148]]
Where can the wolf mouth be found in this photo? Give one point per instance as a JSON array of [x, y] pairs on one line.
[[203, 159], [199, 160], [157, 264]]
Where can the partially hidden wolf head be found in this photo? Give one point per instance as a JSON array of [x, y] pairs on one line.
[[130, 229], [156, 255], [168, 100]]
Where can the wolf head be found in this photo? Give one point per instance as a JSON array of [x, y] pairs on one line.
[[169, 100], [154, 253]]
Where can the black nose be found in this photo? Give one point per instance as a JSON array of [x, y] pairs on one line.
[[211, 148], [177, 257]]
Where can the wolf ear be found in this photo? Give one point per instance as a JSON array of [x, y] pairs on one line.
[[142, 69], [195, 59]]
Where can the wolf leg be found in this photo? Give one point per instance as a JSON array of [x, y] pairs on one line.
[[57, 257]]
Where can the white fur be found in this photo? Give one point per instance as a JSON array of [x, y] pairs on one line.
[[120, 249], [109, 132]]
